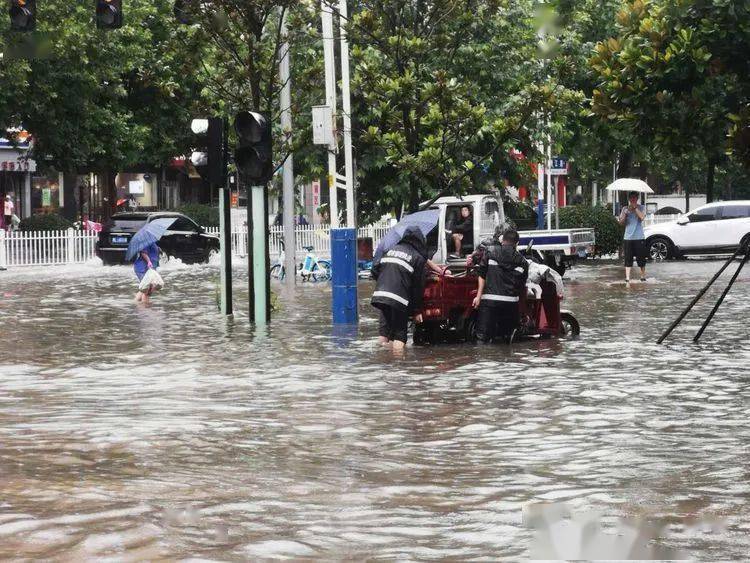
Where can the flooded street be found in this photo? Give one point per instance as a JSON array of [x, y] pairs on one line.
[[169, 432]]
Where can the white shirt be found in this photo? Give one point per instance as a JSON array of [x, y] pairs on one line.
[[8, 207]]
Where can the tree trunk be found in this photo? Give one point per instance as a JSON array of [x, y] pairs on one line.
[[110, 190], [70, 187], [625, 164], [710, 180]]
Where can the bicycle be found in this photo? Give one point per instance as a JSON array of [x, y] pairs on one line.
[[278, 271], [312, 268], [315, 268]]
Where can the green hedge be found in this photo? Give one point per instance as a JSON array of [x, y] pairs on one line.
[[608, 231], [45, 222], [204, 215]]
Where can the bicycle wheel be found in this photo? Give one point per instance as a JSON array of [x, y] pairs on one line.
[[321, 270], [277, 272]]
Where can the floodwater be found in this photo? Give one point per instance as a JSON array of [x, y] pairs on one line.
[[133, 433]]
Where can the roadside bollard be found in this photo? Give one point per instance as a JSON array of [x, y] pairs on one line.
[[344, 266]]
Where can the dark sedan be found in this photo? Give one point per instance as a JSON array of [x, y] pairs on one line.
[[185, 239]]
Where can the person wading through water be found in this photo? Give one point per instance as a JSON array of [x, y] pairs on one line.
[[400, 276], [502, 277]]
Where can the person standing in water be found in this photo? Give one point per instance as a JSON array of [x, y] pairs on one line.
[[147, 259], [634, 243], [400, 276]]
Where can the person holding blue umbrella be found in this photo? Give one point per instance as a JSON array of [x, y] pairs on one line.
[[144, 249]]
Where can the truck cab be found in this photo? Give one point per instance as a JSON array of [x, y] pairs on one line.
[[486, 212], [557, 248]]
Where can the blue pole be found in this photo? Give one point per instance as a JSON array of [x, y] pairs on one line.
[[344, 266]]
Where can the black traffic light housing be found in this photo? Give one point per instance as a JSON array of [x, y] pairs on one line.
[[22, 15], [109, 14], [208, 158], [253, 154]]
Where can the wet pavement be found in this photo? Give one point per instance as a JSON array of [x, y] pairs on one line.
[[169, 432]]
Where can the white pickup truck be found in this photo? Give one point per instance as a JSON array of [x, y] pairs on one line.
[[557, 248]]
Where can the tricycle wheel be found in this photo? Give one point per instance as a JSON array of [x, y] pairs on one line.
[[569, 326], [422, 335], [470, 328]]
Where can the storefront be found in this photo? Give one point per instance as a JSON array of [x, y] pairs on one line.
[[15, 173]]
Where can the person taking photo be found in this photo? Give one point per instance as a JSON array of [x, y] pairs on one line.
[[634, 243]]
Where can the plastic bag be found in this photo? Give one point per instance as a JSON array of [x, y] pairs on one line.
[[151, 280]]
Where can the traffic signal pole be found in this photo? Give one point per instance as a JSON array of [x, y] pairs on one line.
[[225, 230]]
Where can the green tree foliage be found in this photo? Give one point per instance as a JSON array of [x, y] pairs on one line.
[[607, 230], [103, 99], [440, 87], [676, 75]]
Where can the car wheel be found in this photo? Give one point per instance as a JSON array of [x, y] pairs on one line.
[[163, 258], [211, 255], [659, 249], [745, 240]]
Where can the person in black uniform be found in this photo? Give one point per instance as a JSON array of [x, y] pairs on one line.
[[400, 276], [502, 278]]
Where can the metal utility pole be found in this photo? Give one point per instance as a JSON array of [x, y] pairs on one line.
[[330, 77], [549, 183], [351, 219], [290, 244]]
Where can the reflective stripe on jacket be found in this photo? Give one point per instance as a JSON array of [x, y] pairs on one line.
[[505, 272]]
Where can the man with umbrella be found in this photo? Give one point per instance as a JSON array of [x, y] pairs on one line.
[[634, 244], [632, 216]]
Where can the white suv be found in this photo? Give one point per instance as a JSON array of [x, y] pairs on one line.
[[715, 228]]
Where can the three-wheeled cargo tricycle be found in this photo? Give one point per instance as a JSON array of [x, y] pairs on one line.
[[448, 311]]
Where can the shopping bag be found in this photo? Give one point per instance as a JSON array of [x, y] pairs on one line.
[[151, 280]]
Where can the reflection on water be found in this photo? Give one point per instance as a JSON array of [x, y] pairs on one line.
[[168, 431]]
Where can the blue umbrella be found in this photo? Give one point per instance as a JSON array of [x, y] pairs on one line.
[[425, 221], [148, 235]]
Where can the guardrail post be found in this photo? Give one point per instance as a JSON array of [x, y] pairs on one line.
[[70, 246], [3, 257]]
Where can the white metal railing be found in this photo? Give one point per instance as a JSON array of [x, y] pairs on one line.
[[47, 248], [317, 236]]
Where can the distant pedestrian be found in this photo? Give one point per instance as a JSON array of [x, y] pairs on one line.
[[400, 276], [8, 212], [301, 220], [634, 244], [279, 220], [147, 259]]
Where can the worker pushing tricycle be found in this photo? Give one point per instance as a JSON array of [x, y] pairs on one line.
[[495, 295], [500, 296]]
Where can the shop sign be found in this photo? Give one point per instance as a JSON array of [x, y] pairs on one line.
[[15, 165], [316, 193]]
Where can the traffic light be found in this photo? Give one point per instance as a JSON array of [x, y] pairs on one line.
[[209, 161], [22, 15], [253, 153], [108, 14]]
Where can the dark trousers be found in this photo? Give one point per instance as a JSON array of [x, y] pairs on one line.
[[393, 323], [498, 319]]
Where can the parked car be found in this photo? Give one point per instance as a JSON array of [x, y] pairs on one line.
[[185, 239], [714, 228]]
